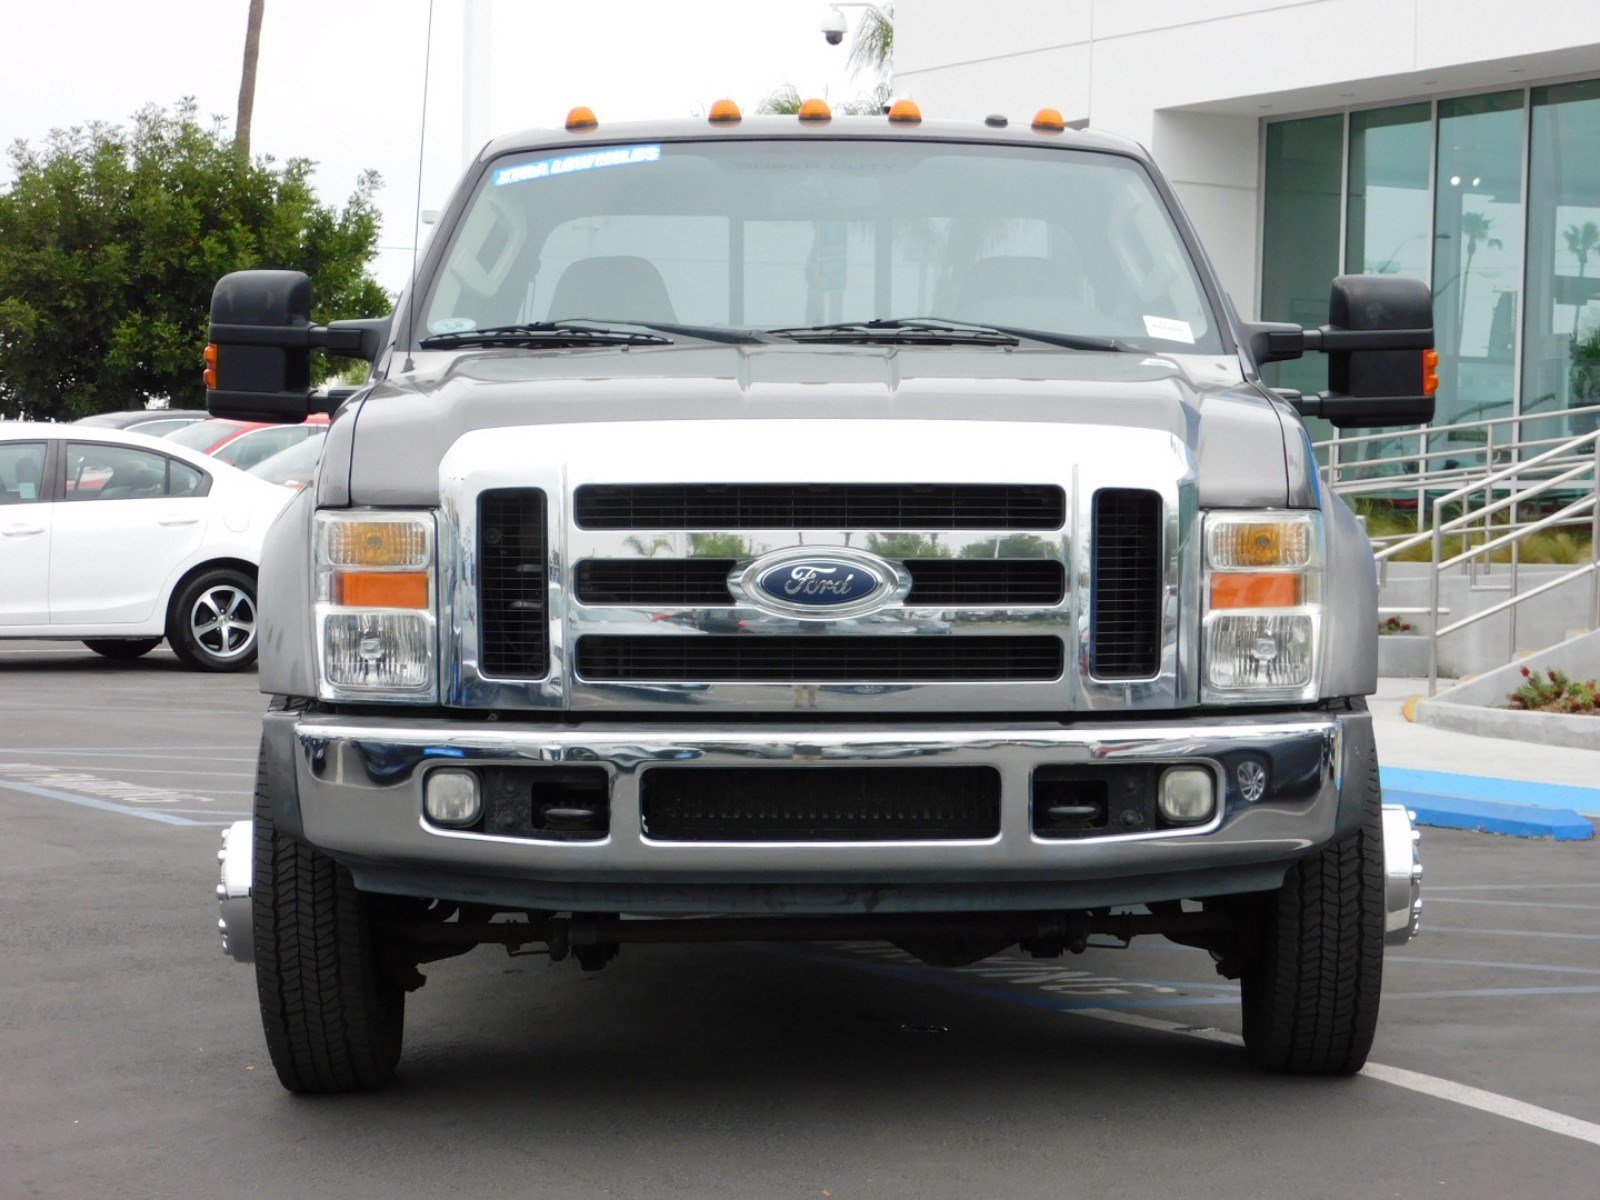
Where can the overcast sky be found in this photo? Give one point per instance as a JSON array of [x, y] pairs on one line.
[[341, 80]]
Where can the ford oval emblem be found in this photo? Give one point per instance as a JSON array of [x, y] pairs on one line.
[[839, 583]]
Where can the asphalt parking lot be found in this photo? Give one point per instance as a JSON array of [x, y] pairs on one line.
[[131, 1060]]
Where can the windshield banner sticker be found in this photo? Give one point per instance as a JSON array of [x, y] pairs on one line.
[[543, 168], [1169, 329]]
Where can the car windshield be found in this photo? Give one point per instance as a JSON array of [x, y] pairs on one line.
[[294, 466], [789, 235], [203, 435]]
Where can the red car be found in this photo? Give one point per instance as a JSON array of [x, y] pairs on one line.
[[246, 443]]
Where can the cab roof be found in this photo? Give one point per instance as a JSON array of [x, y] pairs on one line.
[[1018, 132]]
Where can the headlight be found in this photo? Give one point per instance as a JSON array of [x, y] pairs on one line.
[[375, 593], [1263, 606]]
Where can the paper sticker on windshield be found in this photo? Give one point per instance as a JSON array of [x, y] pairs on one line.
[[593, 160], [451, 325], [1169, 329]]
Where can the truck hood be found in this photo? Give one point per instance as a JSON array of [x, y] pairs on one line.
[[1248, 449]]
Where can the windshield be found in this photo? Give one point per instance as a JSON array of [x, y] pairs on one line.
[[203, 435], [788, 234], [294, 466]]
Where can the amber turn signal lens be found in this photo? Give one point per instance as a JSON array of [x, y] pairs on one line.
[[1430, 372], [210, 375], [1257, 591], [724, 112], [376, 544], [1260, 544], [816, 110], [1049, 120], [381, 589], [904, 112], [581, 117]]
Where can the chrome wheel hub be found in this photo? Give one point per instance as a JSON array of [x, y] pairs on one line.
[[223, 621]]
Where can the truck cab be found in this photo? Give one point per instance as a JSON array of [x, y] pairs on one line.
[[816, 528]]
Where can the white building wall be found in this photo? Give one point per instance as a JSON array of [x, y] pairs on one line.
[[1193, 79]]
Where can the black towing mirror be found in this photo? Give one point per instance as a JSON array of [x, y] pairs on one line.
[[258, 366], [1379, 343]]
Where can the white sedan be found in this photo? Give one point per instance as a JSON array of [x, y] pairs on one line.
[[119, 540]]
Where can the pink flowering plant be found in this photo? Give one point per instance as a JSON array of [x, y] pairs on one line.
[[1554, 692]]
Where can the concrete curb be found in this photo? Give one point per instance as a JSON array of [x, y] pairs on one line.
[[1515, 807]]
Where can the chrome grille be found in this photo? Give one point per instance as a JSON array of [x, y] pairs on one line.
[[953, 582]]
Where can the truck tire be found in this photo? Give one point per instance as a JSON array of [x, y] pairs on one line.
[[333, 1022], [1311, 995], [211, 625], [122, 649]]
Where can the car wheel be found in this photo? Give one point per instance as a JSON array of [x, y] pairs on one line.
[[122, 648], [333, 1020], [212, 623], [1311, 995]]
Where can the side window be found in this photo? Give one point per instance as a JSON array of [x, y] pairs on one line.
[[97, 471], [21, 472], [245, 452], [182, 479]]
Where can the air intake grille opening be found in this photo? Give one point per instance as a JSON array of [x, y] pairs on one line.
[[762, 658], [823, 804], [820, 506], [513, 589], [1125, 585]]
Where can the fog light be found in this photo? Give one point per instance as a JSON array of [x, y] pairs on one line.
[[451, 797], [1188, 795]]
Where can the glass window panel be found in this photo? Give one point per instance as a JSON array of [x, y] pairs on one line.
[[1390, 211], [101, 471], [182, 479], [1561, 350], [1477, 267], [21, 472], [1300, 234]]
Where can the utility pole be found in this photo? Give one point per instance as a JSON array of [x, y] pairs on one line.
[[247, 79]]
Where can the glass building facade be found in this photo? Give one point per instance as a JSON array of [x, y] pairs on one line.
[[1493, 200]]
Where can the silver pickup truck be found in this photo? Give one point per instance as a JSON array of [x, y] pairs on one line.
[[816, 528]]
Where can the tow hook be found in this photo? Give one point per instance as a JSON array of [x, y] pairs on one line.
[[233, 892]]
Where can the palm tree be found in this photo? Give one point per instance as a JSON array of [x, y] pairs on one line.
[[1579, 242], [247, 78], [1474, 228], [873, 45]]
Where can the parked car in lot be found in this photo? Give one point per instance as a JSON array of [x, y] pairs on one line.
[[152, 422], [295, 467], [246, 443], [120, 540]]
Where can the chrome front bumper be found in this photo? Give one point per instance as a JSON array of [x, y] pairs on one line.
[[357, 784]]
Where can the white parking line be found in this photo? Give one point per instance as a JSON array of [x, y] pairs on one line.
[[1495, 966], [1416, 1081], [149, 814], [143, 752], [1530, 933], [1512, 887], [1512, 903]]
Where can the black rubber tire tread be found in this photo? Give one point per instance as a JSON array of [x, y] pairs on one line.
[[122, 649], [1311, 998], [332, 1022], [189, 652]]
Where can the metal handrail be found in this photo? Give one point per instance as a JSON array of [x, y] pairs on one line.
[[1569, 468]]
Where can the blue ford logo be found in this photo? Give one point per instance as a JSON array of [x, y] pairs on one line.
[[839, 584]]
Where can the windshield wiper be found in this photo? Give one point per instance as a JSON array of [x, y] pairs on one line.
[[940, 331], [543, 333], [589, 331]]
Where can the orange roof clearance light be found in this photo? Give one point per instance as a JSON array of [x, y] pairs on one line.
[[211, 367], [724, 112], [1049, 120], [580, 119], [816, 110], [1430, 372], [904, 112]]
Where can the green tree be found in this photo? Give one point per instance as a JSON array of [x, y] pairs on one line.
[[1580, 241], [111, 240]]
